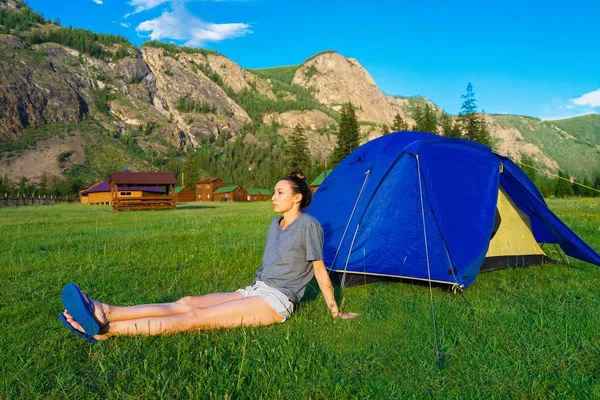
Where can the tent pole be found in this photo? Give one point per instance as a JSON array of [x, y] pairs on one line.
[[348, 258], [351, 215], [437, 346]]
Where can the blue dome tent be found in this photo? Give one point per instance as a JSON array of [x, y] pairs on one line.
[[421, 206]]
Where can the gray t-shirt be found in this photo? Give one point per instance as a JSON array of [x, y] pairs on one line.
[[287, 262]]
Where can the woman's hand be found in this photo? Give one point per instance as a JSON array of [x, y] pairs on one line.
[[346, 315], [322, 277]]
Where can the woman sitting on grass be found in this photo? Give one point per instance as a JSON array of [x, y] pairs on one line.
[[293, 255]]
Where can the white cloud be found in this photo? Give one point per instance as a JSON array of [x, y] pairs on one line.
[[143, 5], [591, 99], [125, 25], [182, 26], [97, 1]]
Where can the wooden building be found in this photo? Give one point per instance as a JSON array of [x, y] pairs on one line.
[[259, 194], [184, 194], [140, 190], [319, 179], [84, 193], [230, 193], [99, 193], [206, 187]]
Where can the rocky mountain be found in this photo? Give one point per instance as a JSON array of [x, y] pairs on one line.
[[68, 108], [336, 80]]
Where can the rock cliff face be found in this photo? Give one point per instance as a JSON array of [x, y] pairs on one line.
[[510, 142], [9, 4], [313, 120], [336, 80], [39, 86], [178, 79], [237, 78], [318, 127]]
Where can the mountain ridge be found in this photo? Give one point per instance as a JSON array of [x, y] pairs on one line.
[[160, 101]]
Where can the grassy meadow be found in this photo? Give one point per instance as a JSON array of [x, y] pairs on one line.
[[519, 333]]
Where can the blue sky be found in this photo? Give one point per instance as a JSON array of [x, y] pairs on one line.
[[536, 58]]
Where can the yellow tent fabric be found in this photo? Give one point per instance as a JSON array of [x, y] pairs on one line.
[[514, 237]]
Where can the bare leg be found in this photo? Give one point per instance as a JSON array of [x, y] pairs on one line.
[[181, 306], [249, 311]]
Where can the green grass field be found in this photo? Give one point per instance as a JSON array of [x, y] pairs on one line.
[[516, 333]]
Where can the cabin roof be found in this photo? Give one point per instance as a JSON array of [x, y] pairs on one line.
[[143, 178], [319, 179], [226, 189]]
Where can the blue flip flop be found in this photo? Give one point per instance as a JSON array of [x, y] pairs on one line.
[[82, 335], [81, 311]]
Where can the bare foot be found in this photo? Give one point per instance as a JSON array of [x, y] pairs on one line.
[[99, 313], [78, 327]]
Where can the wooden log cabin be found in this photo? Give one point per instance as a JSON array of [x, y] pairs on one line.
[[206, 187], [85, 194], [230, 193], [259, 194], [99, 193], [184, 194], [143, 183]]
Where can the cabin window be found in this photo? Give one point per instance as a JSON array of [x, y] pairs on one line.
[[226, 195], [208, 186], [208, 196]]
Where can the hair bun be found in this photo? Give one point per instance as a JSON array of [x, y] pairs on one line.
[[298, 174]]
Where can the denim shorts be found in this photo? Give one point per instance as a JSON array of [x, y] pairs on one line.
[[277, 300]]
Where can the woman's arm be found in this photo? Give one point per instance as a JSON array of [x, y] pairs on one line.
[[326, 287]]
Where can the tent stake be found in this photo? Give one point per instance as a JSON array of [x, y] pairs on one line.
[[558, 250]]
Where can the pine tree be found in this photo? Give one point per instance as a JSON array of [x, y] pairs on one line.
[[6, 186], [531, 173], [472, 124], [347, 135], [417, 115], [483, 134], [22, 186], [425, 118], [43, 189], [430, 119], [399, 123], [449, 128], [563, 186], [299, 157], [191, 170], [580, 188], [596, 184]]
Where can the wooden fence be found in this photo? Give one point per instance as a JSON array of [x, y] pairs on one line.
[[144, 203], [8, 201]]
